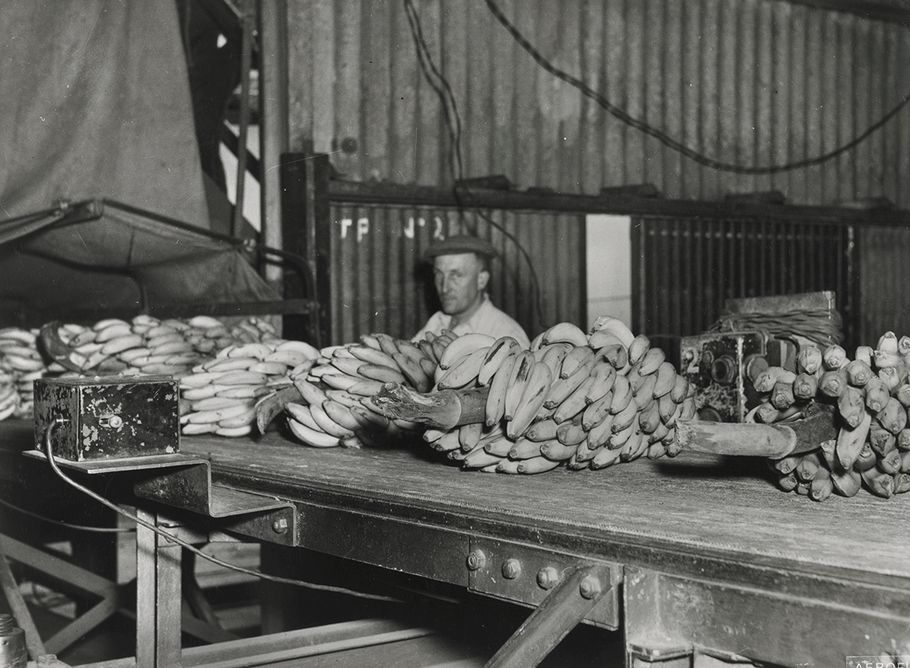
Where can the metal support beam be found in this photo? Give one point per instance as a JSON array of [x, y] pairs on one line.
[[561, 611]]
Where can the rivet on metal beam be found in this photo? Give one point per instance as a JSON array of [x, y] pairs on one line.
[[547, 577], [590, 587], [511, 569], [280, 525]]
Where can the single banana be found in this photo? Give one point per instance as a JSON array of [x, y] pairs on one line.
[[524, 448], [269, 368], [340, 414], [570, 433], [463, 345], [562, 388], [497, 353], [614, 325], [595, 413], [327, 424], [669, 411], [216, 402], [876, 393], [577, 358], [639, 346], [343, 398], [764, 381], [112, 331], [575, 403], [553, 355], [615, 354], [413, 372], [242, 378], [833, 383], [893, 416], [494, 408], [643, 391], [194, 429], [622, 394], [464, 372], [170, 348], [311, 393], [650, 362], [372, 356], [134, 353], [603, 375], [518, 382], [834, 357], [290, 358], [625, 417], [23, 363], [536, 465], [604, 457], [369, 420], [479, 458], [890, 462], [364, 388], [847, 483], [507, 466], [850, 441], [666, 379], [878, 482], [342, 381], [805, 387], [542, 430], [782, 395], [450, 442], [633, 448], [556, 451], [602, 338], [531, 400], [888, 342], [497, 444], [121, 343], [301, 347], [892, 376], [565, 332], [312, 437], [469, 435], [349, 366], [241, 419], [229, 363], [649, 418]]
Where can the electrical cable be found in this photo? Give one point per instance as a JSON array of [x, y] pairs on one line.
[[453, 121], [822, 327], [49, 452], [664, 138], [77, 527]]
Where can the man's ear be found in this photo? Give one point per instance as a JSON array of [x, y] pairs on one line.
[[482, 279]]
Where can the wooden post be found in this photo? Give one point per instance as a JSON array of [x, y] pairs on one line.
[[158, 597]]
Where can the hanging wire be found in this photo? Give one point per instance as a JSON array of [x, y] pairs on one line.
[[453, 122], [77, 527], [669, 141]]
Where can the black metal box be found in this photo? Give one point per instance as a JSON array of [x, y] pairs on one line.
[[104, 418]]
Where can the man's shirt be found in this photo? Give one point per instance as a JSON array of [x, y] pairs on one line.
[[486, 320]]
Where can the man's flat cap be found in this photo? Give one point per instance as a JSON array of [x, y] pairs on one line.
[[461, 243]]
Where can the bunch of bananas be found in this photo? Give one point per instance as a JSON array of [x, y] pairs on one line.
[[871, 393], [586, 400], [219, 395], [332, 410], [20, 365], [149, 346]]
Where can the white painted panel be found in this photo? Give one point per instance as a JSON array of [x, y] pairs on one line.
[[609, 261]]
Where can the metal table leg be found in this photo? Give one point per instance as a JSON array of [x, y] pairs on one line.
[[158, 599]]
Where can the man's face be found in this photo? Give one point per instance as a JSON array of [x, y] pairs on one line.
[[460, 281]]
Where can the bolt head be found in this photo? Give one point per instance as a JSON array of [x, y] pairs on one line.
[[547, 577], [511, 569], [476, 560], [280, 526]]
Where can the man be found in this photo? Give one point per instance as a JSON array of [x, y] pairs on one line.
[[461, 273]]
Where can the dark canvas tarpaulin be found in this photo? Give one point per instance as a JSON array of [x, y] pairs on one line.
[[95, 105], [95, 102], [105, 255]]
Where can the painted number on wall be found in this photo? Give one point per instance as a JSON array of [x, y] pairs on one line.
[[361, 227]]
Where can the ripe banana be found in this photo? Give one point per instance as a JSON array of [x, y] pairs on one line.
[[649, 418], [241, 419], [301, 347], [565, 332], [595, 413], [604, 457], [639, 346], [518, 381], [575, 403], [622, 394], [537, 465], [556, 451], [575, 359], [617, 355], [666, 379], [562, 388], [463, 345], [524, 448], [311, 393], [496, 355], [650, 362], [603, 375], [877, 394], [531, 400], [342, 381], [553, 355], [850, 441], [464, 371], [229, 364], [616, 326], [625, 417], [600, 339], [571, 433], [338, 413], [834, 357], [349, 366], [496, 444], [469, 435], [633, 448], [312, 437], [370, 420], [372, 356], [414, 372], [290, 358], [364, 388], [643, 390]]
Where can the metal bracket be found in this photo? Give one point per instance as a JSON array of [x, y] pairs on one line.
[[529, 574], [185, 482]]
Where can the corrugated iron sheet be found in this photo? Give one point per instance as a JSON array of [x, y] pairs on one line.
[[885, 270], [751, 82], [379, 282], [685, 268]]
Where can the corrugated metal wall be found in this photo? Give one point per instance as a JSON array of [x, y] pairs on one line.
[[885, 270], [688, 267], [753, 82], [379, 282]]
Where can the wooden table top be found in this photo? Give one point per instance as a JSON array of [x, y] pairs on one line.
[[691, 504]]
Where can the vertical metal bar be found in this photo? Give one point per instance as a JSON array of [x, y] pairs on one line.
[[273, 121], [19, 609], [158, 599], [246, 59]]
